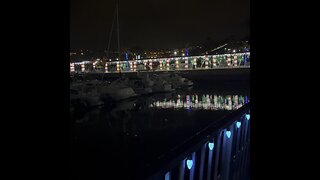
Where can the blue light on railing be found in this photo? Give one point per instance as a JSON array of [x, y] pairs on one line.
[[167, 176], [238, 124], [228, 133], [248, 117], [189, 163], [211, 145]]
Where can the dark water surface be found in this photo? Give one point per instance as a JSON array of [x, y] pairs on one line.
[[133, 134]]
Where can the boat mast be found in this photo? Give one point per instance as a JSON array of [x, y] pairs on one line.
[[110, 35], [115, 17], [118, 34], [117, 10]]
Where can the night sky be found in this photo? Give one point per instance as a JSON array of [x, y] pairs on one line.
[[157, 23]]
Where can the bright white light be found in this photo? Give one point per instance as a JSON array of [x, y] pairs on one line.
[[238, 124], [211, 145], [175, 53], [248, 117], [189, 164], [234, 50], [228, 133], [117, 59], [183, 54]]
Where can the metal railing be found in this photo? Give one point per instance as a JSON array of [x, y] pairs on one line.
[[220, 151], [223, 61]]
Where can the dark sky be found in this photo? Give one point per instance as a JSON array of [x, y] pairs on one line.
[[157, 23]]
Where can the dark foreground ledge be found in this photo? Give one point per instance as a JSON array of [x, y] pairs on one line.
[[173, 163]]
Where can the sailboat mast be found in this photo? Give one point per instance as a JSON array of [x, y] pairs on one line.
[[110, 35], [118, 34], [115, 17]]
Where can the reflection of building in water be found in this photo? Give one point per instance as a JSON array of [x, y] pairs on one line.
[[206, 101]]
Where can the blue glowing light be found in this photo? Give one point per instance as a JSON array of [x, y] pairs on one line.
[[238, 124], [189, 164], [167, 176], [211, 145], [248, 117], [228, 133]]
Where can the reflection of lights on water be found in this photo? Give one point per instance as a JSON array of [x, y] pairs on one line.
[[236, 101], [188, 101], [207, 102], [229, 103], [215, 99]]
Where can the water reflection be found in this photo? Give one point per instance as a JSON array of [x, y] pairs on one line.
[[189, 110], [137, 131], [204, 101]]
